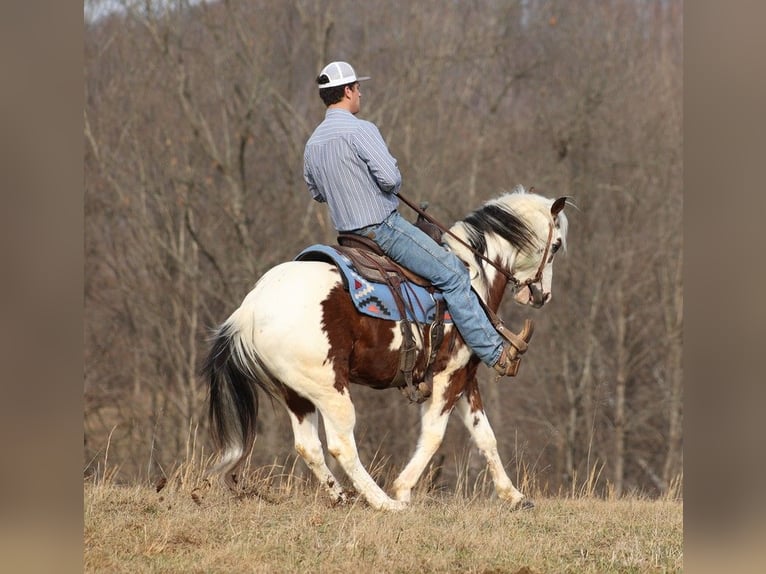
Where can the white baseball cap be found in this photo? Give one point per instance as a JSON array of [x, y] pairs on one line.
[[339, 74]]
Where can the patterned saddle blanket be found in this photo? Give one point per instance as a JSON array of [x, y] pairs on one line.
[[373, 298]]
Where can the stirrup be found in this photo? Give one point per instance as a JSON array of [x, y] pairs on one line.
[[417, 393], [506, 365], [510, 357]]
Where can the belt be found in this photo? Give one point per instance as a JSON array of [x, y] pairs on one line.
[[368, 230]]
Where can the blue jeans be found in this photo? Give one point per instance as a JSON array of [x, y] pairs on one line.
[[413, 249]]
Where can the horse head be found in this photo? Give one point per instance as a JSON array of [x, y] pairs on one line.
[[520, 233], [534, 267]]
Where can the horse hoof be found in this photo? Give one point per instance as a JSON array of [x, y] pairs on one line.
[[393, 506], [345, 497], [341, 500]]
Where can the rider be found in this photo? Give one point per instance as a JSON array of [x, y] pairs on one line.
[[347, 165]]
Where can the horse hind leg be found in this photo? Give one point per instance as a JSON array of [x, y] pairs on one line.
[[478, 425], [339, 420], [305, 424]]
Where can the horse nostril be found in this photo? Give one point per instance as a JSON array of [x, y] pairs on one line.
[[539, 297]]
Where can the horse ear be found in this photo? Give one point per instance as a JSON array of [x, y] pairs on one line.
[[558, 205]]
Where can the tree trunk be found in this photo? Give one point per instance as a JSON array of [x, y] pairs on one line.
[[619, 393]]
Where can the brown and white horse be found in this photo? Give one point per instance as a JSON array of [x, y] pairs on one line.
[[298, 337]]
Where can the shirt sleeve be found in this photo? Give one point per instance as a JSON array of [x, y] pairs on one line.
[[372, 149], [309, 179]]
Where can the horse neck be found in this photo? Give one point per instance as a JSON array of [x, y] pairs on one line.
[[491, 292], [495, 290]]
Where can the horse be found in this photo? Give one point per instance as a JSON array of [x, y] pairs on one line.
[[297, 337]]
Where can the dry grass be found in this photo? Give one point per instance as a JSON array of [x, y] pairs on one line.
[[282, 524]]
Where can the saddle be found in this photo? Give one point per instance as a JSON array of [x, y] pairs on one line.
[[375, 265]]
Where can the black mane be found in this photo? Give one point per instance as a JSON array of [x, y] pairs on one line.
[[493, 218]]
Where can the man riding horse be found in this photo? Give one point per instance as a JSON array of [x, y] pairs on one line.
[[348, 166]]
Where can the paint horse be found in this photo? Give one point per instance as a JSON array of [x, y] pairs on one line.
[[298, 337]]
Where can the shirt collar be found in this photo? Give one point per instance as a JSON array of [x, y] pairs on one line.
[[337, 112]]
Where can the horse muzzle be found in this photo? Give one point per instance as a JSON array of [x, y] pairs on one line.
[[532, 295]]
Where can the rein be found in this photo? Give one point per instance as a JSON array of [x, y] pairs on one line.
[[509, 276]]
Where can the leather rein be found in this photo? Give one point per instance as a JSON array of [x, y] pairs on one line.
[[509, 276]]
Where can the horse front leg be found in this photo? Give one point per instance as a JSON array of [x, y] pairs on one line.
[[432, 426], [475, 419]]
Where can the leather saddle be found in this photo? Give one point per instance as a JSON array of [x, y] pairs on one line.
[[376, 266]]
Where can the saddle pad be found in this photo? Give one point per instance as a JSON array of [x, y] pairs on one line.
[[375, 299]]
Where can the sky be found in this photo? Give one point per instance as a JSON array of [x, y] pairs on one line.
[[96, 9]]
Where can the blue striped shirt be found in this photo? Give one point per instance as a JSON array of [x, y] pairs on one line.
[[347, 164]]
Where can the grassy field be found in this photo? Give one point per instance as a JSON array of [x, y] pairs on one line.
[[187, 526]]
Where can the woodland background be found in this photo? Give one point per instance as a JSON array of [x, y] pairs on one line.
[[195, 119]]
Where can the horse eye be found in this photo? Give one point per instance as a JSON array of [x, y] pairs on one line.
[[555, 247]]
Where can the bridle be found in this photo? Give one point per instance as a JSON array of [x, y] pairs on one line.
[[507, 274], [539, 275]]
